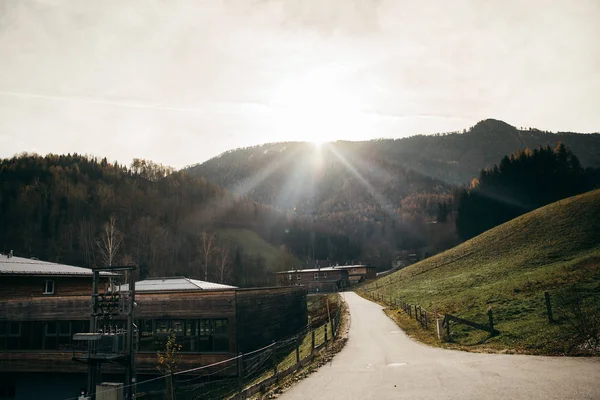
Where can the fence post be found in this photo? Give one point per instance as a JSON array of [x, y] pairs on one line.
[[426, 320], [548, 307], [491, 318], [325, 330], [447, 327], [274, 358], [409, 310], [313, 340], [298, 349], [239, 370]]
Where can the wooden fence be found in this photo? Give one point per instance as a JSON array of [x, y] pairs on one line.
[[425, 317]]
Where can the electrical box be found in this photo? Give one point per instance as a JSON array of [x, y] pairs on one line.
[[109, 391]]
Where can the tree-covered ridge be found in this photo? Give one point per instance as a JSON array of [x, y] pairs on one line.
[[520, 183], [454, 158], [85, 211], [386, 194]]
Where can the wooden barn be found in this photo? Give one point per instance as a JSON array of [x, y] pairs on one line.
[[44, 304]]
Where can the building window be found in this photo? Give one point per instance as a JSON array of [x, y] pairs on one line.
[[7, 390], [203, 335], [49, 287], [316, 276]]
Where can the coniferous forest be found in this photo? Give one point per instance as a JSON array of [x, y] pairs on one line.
[[520, 183]]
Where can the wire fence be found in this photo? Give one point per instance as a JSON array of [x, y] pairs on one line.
[[575, 310], [247, 374]]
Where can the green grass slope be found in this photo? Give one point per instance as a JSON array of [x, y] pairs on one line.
[[555, 248], [253, 246]]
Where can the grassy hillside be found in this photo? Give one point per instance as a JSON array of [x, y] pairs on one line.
[[253, 245], [555, 248]]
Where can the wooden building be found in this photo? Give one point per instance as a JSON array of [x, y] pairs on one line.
[[212, 322], [316, 280], [359, 273]]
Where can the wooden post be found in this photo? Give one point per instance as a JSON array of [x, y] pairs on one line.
[[239, 370], [274, 358], [447, 327], [491, 318], [425, 320], [409, 310], [548, 307], [298, 349], [325, 332], [313, 340]]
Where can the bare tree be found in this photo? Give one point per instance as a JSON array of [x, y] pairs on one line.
[[224, 263], [110, 241], [208, 245]]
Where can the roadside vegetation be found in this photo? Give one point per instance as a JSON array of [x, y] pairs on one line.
[[507, 269]]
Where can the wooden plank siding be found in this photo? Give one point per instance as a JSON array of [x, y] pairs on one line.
[[301, 277], [266, 315], [36, 361], [13, 287], [255, 317]]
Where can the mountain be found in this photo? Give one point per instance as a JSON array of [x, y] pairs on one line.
[[452, 158], [507, 269], [385, 194]]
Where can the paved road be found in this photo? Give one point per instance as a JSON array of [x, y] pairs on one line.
[[381, 362]]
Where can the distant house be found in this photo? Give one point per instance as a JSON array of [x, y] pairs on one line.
[[358, 273], [316, 280], [43, 304]]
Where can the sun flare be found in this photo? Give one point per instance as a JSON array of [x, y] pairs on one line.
[[313, 108]]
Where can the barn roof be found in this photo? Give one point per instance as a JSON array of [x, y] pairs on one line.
[[176, 283], [10, 265]]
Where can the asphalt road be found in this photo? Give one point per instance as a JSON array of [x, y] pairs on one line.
[[381, 362]]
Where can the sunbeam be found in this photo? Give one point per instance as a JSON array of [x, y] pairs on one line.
[[381, 201]]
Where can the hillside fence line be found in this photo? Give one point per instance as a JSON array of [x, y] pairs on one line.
[[431, 321], [250, 373]]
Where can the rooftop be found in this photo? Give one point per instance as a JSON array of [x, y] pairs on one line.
[[11, 265], [176, 283], [352, 266], [293, 271]]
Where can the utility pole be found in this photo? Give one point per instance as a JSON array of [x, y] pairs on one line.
[[108, 342]]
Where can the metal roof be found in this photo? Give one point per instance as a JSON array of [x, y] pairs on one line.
[[353, 266], [294, 271], [175, 284], [27, 266]]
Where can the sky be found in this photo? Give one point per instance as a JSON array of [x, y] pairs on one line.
[[181, 81]]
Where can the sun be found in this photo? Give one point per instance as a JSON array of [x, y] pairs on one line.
[[314, 108]]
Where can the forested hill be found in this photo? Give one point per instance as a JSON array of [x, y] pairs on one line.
[[454, 158], [385, 194], [63, 208]]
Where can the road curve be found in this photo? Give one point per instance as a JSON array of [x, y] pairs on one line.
[[381, 362]]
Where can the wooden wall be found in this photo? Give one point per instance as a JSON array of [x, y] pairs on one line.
[[270, 314], [40, 361], [309, 277], [12, 287], [256, 318]]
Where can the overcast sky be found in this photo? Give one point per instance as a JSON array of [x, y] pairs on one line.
[[179, 82]]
